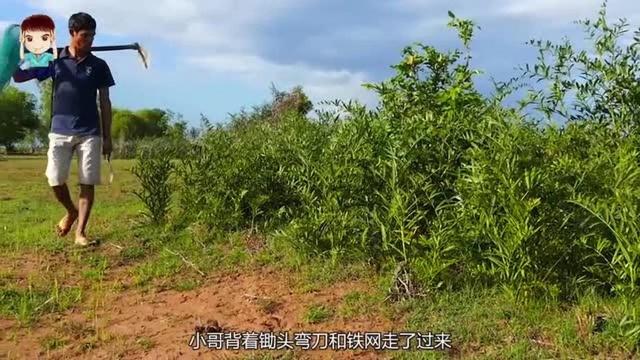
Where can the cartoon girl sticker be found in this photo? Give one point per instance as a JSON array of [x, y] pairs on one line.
[[37, 34]]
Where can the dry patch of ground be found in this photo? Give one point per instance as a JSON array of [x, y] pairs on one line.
[[161, 325]]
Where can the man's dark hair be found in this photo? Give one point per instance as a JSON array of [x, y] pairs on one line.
[[81, 21]]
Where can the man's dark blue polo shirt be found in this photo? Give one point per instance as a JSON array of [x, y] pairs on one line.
[[76, 84]]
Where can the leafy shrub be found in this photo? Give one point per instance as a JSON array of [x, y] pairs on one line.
[[153, 169], [458, 186]]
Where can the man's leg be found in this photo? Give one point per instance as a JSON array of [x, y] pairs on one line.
[[85, 203], [58, 162], [89, 156]]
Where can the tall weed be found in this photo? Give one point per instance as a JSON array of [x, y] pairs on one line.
[[153, 170]]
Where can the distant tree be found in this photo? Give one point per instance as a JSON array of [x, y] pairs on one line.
[[127, 125], [44, 89], [146, 123], [193, 133], [156, 121], [294, 100], [178, 130], [177, 126], [18, 115], [282, 103], [44, 110]]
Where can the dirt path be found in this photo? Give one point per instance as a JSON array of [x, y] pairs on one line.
[[160, 325]]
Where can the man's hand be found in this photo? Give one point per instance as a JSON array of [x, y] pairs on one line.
[[107, 147]]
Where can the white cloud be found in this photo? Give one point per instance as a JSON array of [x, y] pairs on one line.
[[554, 12], [549, 15], [219, 25], [539, 13], [318, 84], [548, 9], [222, 33]]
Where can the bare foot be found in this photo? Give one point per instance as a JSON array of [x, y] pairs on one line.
[[82, 240], [64, 226]]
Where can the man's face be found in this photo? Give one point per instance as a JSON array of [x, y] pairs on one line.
[[83, 39], [36, 41]]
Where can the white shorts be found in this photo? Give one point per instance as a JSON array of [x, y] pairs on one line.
[[61, 149]]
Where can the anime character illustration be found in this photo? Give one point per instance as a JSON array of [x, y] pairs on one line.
[[37, 35]]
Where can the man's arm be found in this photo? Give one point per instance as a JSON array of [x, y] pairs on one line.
[[105, 112], [24, 75], [105, 81]]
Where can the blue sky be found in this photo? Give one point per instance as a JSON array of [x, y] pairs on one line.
[[214, 57]]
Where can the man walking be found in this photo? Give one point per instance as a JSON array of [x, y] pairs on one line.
[[76, 124]]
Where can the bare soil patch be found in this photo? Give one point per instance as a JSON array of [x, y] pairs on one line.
[[159, 325]]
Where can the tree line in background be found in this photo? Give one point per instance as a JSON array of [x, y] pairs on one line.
[[25, 122]]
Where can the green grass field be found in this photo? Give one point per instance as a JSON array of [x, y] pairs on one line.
[[141, 292]]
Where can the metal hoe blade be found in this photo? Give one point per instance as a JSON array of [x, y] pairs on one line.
[[144, 56], [142, 52]]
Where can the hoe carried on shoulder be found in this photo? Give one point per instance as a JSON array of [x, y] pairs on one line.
[[10, 53], [142, 53]]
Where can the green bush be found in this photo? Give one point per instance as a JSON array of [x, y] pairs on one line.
[[463, 189], [153, 169]]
